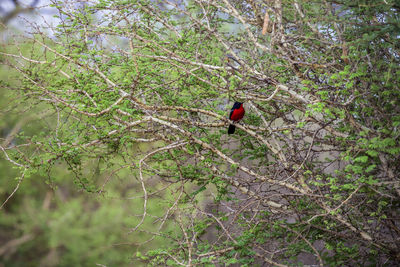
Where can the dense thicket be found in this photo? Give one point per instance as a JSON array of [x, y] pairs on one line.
[[311, 175]]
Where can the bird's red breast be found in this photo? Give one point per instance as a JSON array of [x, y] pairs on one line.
[[237, 114]]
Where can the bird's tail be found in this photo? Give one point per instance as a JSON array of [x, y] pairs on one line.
[[231, 129]]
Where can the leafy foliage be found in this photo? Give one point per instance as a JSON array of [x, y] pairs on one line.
[[143, 88]]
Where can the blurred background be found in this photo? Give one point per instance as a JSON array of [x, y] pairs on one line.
[[45, 219]]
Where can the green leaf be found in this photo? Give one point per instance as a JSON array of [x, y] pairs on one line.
[[361, 159]]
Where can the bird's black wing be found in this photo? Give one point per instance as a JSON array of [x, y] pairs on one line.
[[230, 115]]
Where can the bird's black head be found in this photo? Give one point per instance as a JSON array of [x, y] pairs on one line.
[[237, 105]]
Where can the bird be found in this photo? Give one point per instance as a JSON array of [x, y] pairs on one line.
[[237, 113]]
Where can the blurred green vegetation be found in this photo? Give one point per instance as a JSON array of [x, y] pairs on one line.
[[49, 221]]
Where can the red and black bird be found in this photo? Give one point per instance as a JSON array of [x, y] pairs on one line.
[[237, 113]]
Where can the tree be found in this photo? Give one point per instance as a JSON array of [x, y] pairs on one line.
[[311, 175], [18, 9]]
